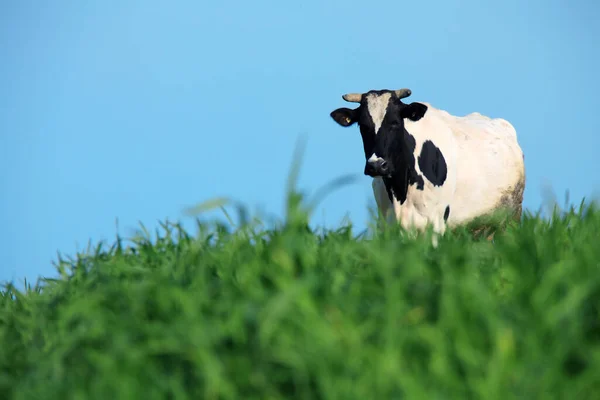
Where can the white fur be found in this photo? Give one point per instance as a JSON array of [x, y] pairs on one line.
[[374, 158], [484, 162], [377, 106]]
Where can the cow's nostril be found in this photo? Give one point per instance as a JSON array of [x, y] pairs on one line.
[[383, 164]]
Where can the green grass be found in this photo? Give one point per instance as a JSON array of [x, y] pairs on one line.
[[286, 312]]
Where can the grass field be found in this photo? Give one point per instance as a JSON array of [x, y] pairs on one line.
[[255, 313]]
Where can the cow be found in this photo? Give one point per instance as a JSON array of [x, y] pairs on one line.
[[431, 168]]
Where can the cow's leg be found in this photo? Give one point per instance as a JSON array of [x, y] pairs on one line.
[[381, 198], [415, 223], [439, 229], [410, 220]]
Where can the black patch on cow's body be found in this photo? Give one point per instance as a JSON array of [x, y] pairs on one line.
[[400, 151], [433, 164], [388, 188], [414, 111], [405, 173], [446, 213]]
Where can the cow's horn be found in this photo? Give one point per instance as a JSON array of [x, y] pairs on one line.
[[402, 93], [352, 97]]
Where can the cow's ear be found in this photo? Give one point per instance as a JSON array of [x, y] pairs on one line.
[[344, 116], [414, 111]]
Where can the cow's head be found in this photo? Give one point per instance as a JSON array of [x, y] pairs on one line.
[[380, 117]]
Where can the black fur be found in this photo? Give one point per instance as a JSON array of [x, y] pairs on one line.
[[433, 164], [344, 116], [447, 213]]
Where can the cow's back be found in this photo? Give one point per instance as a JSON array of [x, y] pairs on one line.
[[490, 170], [490, 167]]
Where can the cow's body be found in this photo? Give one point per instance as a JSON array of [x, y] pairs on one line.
[[485, 171], [451, 169]]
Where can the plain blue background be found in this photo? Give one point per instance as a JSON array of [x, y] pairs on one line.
[[137, 109]]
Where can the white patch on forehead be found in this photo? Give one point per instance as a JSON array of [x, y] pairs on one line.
[[377, 106], [374, 158]]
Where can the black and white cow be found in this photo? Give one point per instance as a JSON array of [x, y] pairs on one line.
[[430, 167]]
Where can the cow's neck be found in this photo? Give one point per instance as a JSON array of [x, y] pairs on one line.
[[405, 173]]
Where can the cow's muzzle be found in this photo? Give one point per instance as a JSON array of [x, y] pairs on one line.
[[377, 167]]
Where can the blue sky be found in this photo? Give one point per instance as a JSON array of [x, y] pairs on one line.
[[137, 109]]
